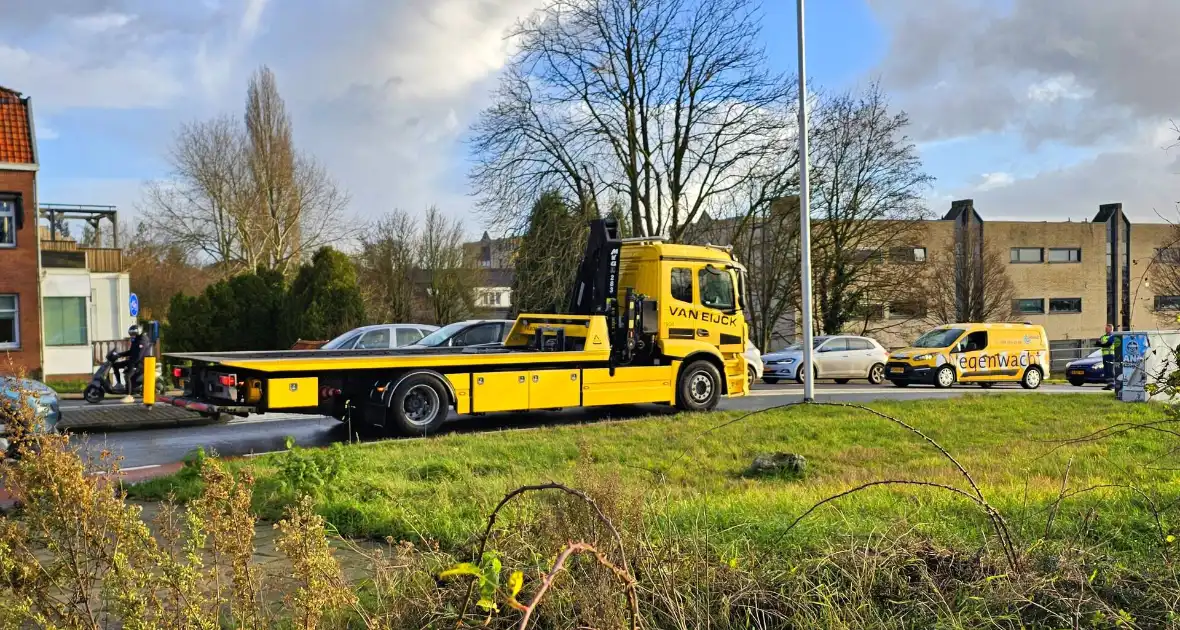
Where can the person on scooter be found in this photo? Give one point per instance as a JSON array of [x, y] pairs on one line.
[[132, 356]]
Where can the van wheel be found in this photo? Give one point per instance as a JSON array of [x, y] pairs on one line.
[[944, 377], [1032, 378], [699, 387], [877, 374], [419, 406]]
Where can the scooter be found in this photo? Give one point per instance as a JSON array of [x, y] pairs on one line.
[[103, 383]]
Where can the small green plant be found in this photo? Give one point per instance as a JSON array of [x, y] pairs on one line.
[[194, 462], [307, 471], [487, 576]]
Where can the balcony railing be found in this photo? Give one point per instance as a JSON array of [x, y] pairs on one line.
[[67, 254]]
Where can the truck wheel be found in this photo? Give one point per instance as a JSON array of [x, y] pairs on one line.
[[1032, 378], [699, 387], [418, 406], [93, 394], [944, 377]]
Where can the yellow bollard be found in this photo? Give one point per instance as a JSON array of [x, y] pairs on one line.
[[149, 381]]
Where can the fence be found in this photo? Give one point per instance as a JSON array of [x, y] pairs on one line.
[[1063, 351]]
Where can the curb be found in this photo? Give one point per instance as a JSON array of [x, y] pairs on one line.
[[78, 395]]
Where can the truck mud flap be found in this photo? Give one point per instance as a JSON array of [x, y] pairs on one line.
[[200, 407]]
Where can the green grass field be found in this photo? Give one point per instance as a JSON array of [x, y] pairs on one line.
[[441, 489]]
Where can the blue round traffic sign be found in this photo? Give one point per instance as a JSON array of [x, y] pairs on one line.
[[134, 304]]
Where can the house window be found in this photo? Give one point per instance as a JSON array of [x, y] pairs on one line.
[[1065, 255], [907, 254], [1065, 305], [867, 255], [1028, 306], [906, 310], [1167, 255], [682, 284], [870, 312], [1028, 255], [65, 321], [7, 222], [1167, 302], [9, 322]]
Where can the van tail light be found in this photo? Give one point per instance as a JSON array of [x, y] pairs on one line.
[[228, 380]]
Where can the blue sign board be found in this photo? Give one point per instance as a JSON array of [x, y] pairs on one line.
[[134, 304]]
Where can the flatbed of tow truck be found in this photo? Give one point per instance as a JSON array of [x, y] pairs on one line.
[[617, 346]]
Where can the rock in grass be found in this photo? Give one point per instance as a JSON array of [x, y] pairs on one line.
[[777, 464]]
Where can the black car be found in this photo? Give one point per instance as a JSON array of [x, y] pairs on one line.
[[1088, 369]]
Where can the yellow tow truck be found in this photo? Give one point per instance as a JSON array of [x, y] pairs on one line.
[[649, 322]]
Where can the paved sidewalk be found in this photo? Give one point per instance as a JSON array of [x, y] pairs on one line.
[[128, 417]]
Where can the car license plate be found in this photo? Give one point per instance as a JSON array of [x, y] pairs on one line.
[[896, 370], [1078, 372]]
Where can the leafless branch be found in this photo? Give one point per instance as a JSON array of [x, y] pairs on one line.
[[572, 549]]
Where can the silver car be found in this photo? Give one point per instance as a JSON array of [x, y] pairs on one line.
[[839, 357], [380, 336], [14, 392]]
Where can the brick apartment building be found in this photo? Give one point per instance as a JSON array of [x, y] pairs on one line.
[[20, 314]]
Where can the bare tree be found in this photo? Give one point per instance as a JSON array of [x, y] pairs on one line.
[[240, 194], [451, 278], [866, 200], [386, 265], [203, 207], [969, 283], [667, 103]]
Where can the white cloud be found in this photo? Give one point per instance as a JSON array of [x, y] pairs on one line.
[[57, 81], [992, 181], [1054, 89], [101, 22]]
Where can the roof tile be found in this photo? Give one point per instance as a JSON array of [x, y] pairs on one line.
[[16, 143]]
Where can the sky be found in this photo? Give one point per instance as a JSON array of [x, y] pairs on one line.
[[1033, 111]]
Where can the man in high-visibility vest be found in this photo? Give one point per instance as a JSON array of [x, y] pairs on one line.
[[1110, 345]]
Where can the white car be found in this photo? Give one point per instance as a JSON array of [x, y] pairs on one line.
[[753, 362], [380, 336], [839, 357]]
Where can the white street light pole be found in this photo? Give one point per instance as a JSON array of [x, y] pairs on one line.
[[805, 221]]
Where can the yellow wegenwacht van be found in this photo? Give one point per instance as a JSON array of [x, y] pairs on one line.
[[973, 353]]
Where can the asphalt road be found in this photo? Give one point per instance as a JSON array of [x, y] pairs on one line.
[[268, 432]]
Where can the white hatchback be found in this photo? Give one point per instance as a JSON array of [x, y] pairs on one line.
[[838, 357]]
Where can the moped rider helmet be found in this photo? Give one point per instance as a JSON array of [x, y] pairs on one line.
[[133, 331]]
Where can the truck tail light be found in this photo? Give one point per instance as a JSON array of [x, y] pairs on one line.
[[228, 380]]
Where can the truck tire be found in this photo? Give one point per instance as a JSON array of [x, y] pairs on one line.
[[419, 406], [699, 387]]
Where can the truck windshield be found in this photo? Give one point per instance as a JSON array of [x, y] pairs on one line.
[[939, 338], [440, 336]]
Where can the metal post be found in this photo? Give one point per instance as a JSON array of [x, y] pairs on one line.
[[805, 221]]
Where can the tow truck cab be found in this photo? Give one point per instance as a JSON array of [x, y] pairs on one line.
[[648, 322]]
